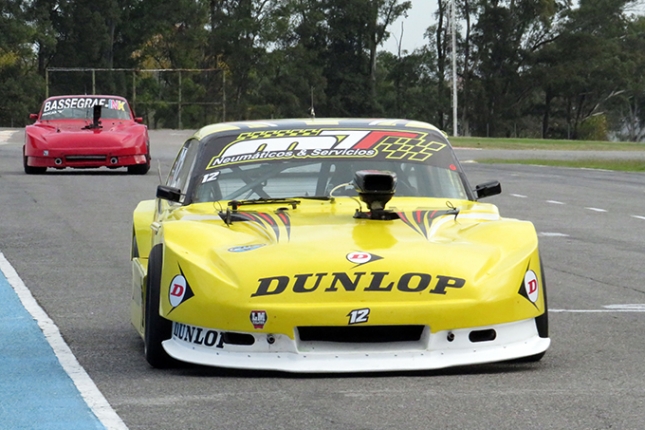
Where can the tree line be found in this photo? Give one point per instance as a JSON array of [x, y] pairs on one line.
[[525, 68]]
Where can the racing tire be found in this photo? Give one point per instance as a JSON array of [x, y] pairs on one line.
[[542, 322], [139, 169], [30, 170], [156, 328]]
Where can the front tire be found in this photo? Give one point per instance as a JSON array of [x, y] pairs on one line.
[[30, 170], [139, 169], [156, 328], [542, 322]]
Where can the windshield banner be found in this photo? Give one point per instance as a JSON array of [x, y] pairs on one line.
[[298, 144], [56, 105]]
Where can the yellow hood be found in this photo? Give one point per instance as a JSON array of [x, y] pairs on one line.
[[320, 253]]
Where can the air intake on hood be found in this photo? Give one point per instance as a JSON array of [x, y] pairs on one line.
[[375, 188]]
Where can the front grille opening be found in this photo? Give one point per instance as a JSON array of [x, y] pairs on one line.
[[85, 158], [362, 334], [482, 335], [238, 339]]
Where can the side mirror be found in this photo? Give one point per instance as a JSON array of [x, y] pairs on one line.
[[138, 119], [168, 193], [33, 116], [487, 189]]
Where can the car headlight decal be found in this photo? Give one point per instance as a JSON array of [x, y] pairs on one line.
[[530, 287], [179, 291]]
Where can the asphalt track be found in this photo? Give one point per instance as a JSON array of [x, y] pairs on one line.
[[67, 235]]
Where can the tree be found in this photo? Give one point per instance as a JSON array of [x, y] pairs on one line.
[[439, 35], [239, 39], [585, 67], [505, 36], [408, 85], [628, 108], [176, 39], [20, 86], [382, 13]]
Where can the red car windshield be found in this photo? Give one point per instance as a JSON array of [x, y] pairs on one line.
[[83, 108]]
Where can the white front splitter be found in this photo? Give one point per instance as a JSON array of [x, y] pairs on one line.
[[512, 340]]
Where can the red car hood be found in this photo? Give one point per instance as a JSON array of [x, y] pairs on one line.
[[72, 133]]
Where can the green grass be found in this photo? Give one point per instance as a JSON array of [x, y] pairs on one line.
[[568, 145], [625, 165], [590, 163]]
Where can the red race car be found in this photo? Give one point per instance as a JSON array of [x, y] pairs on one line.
[[83, 132]]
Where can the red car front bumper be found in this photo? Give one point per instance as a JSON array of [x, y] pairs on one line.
[[65, 159]]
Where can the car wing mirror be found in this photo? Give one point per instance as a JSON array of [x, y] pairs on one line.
[[33, 116], [487, 189], [168, 193], [138, 119]]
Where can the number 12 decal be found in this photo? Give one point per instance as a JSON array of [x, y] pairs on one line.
[[358, 316]]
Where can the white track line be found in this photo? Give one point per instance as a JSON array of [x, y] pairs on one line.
[[595, 311], [630, 307], [552, 234], [91, 394]]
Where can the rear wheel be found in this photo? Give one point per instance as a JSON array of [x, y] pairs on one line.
[[156, 329]]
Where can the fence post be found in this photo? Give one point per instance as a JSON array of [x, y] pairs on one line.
[[93, 82], [134, 91], [179, 103]]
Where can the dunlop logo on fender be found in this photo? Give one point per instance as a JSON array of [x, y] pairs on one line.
[[358, 281]]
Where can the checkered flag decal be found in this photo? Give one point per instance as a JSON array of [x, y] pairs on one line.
[[266, 134], [405, 148]]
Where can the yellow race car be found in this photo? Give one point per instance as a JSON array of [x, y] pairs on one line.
[[331, 245]]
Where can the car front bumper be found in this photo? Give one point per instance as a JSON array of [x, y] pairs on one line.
[[62, 160], [432, 351]]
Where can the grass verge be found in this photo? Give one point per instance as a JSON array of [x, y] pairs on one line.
[[591, 163], [564, 145]]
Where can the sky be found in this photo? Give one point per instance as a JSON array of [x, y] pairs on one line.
[[420, 17]]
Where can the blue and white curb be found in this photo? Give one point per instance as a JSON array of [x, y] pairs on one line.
[[42, 384]]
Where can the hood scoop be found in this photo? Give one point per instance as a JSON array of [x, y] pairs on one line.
[[375, 188], [96, 124]]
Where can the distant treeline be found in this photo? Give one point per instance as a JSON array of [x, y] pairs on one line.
[[526, 68]]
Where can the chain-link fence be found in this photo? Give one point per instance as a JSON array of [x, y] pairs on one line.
[[165, 98]]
